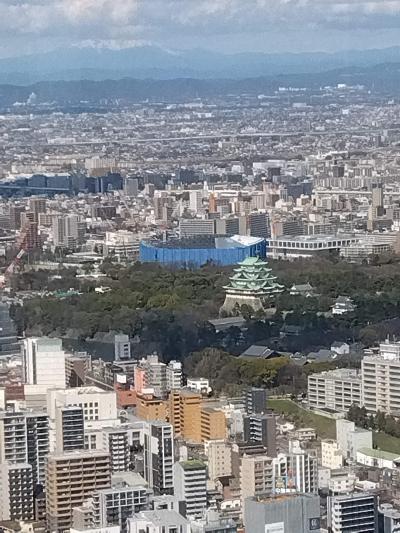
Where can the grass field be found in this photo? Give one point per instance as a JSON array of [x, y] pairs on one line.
[[325, 426]]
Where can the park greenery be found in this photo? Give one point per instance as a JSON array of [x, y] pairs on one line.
[[168, 310], [377, 422]]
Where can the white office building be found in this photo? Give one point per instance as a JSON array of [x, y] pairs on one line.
[[292, 247], [122, 245], [351, 439], [335, 389], [44, 362]]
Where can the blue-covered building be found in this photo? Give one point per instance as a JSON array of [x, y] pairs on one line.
[[202, 249]]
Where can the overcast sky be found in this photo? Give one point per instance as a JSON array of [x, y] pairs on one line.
[[226, 25]]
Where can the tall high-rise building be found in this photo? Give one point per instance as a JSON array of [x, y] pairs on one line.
[[83, 472], [191, 487], [16, 492], [37, 205], [44, 362], [24, 438], [131, 186], [9, 344], [15, 216], [158, 454], [68, 231], [38, 444], [32, 237], [377, 200], [259, 225], [357, 511], [196, 201]]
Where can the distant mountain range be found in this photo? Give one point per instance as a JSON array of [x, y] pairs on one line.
[[382, 79], [151, 62]]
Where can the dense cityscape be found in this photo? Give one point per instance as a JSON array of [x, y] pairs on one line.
[[199, 313]]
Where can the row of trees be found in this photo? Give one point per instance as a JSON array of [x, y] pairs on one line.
[[378, 422], [231, 374]]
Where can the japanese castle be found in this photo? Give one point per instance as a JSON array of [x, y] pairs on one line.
[[252, 284]]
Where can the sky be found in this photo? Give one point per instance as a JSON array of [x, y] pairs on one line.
[[28, 26]]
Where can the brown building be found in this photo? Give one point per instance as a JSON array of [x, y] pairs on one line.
[[72, 478], [192, 420], [213, 424], [149, 407]]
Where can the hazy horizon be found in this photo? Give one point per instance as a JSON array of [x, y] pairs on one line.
[[229, 26]]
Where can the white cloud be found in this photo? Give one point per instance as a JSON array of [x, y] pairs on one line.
[[120, 21]]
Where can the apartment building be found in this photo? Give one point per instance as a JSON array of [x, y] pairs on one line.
[[260, 474], [353, 512], [150, 407], [219, 459], [192, 419], [261, 428], [158, 453], [24, 438], [256, 476], [16, 492], [212, 424], [116, 442], [157, 376], [191, 486], [335, 389], [82, 473], [184, 414], [115, 505], [381, 380]]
